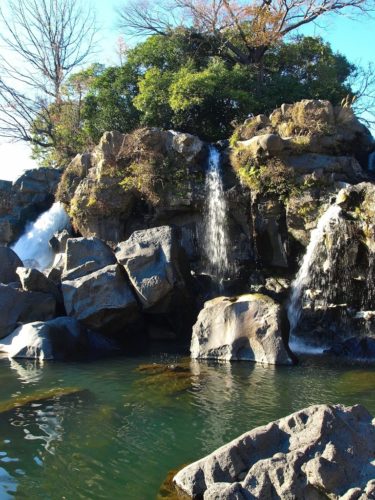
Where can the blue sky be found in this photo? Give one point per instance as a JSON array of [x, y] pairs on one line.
[[355, 38]]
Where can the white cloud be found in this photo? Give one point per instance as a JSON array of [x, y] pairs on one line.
[[14, 160]]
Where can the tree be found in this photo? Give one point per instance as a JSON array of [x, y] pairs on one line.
[[44, 41], [241, 31]]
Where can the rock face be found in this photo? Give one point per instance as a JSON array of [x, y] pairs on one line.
[[319, 452], [338, 295], [85, 255], [9, 262], [248, 327], [18, 306], [154, 262], [61, 338], [101, 300], [24, 200]]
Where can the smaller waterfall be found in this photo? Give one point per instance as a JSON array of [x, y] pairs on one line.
[[33, 245], [216, 241], [306, 270]]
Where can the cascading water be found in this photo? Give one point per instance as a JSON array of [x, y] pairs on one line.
[[216, 241], [32, 247], [301, 282]]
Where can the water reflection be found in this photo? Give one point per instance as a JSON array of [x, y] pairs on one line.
[[28, 371]]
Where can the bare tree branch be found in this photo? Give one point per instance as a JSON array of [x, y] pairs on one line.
[[44, 41]]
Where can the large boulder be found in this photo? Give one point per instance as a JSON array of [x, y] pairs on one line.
[[9, 262], [248, 328], [154, 263], [101, 300], [61, 338], [86, 255], [318, 452], [18, 306], [33, 280]]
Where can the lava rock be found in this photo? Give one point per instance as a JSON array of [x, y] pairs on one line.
[[84, 256], [9, 262], [33, 280], [60, 339], [320, 451], [101, 300], [152, 259], [248, 328], [18, 306]]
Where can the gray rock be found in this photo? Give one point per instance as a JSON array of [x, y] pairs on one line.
[[152, 260], [319, 452], [264, 145], [33, 280], [18, 306], [59, 240], [86, 255], [240, 328], [101, 300], [9, 261], [61, 338]]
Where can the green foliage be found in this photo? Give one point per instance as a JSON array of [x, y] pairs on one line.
[[177, 82]]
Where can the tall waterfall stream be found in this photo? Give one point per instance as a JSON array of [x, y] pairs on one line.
[[306, 270], [33, 247], [216, 240]]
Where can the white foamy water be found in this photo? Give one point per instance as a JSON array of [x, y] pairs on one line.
[[33, 245], [301, 281], [216, 241]]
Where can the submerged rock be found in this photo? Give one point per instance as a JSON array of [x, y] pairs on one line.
[[318, 452], [247, 328], [61, 338]]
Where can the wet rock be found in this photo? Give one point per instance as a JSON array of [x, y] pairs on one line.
[[86, 255], [248, 328], [101, 300], [18, 306], [355, 348], [60, 339], [9, 262], [321, 451], [153, 261]]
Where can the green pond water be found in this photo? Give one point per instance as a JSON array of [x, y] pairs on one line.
[[124, 430]]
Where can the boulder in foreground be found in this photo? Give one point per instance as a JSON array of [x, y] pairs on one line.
[[61, 338], [248, 327], [318, 452]]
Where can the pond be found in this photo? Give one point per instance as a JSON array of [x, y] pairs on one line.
[[114, 430]]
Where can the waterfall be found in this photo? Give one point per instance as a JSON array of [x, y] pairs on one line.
[[33, 246], [306, 271], [216, 241]]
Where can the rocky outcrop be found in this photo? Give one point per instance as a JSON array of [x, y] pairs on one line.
[[24, 200], [248, 328], [60, 339], [321, 451], [101, 300], [33, 280], [154, 261]]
